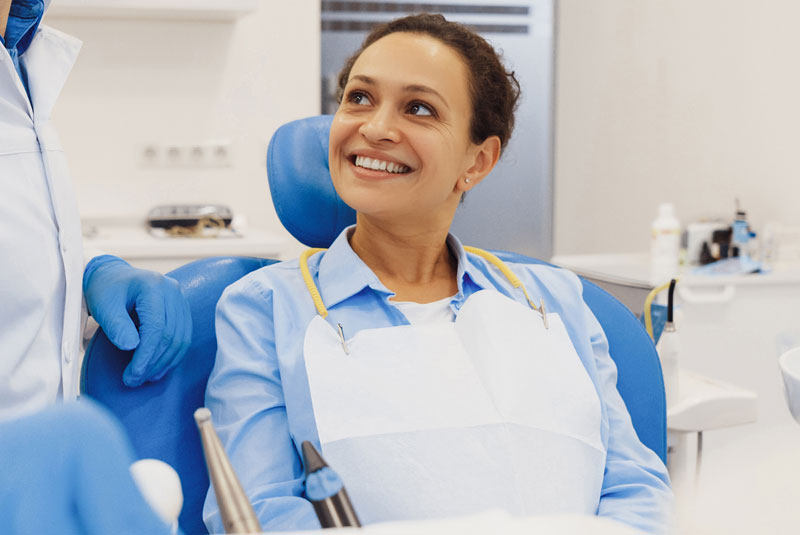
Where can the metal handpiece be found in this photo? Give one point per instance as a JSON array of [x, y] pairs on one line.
[[234, 507]]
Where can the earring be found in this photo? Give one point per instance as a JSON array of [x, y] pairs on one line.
[[466, 180]]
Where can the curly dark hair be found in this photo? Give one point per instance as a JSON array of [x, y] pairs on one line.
[[494, 91]]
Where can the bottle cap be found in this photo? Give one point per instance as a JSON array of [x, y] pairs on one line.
[[666, 209]]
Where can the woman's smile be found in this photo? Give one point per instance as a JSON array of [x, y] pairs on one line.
[[368, 164], [365, 162]]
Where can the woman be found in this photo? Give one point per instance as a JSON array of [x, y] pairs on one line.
[[435, 383]]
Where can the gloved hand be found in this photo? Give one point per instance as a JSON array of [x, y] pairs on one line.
[[116, 293], [65, 470]]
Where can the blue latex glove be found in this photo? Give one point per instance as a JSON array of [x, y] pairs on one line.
[[65, 470], [117, 293]]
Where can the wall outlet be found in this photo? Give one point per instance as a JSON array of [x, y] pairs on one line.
[[208, 154]]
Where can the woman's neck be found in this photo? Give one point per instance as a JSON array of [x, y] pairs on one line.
[[414, 262], [5, 9]]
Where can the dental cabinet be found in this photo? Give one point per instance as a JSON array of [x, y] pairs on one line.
[[731, 329], [131, 241]]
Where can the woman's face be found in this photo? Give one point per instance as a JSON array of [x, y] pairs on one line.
[[399, 142]]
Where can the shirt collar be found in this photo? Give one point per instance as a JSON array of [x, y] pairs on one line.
[[467, 270], [342, 273], [23, 20]]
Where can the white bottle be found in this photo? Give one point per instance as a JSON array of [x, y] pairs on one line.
[[665, 245]]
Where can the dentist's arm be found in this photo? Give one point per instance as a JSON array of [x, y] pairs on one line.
[[141, 310]]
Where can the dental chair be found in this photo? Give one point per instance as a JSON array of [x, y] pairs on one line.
[[158, 416]]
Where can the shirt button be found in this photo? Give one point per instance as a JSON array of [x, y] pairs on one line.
[[63, 249]]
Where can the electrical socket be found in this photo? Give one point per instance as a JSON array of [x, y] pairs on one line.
[[208, 154]]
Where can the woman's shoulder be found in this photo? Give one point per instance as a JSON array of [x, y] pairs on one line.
[[556, 284], [540, 275], [547, 274], [267, 280]]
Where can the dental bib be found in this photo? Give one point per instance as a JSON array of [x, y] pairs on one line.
[[492, 411]]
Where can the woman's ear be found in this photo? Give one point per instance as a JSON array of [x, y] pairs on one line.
[[484, 157]]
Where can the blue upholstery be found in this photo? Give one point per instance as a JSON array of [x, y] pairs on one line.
[[299, 180], [159, 416]]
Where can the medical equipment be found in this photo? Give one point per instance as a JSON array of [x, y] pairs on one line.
[[235, 509], [188, 216], [699, 237], [740, 233], [326, 491]]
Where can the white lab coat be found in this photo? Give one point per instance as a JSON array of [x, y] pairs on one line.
[[41, 257]]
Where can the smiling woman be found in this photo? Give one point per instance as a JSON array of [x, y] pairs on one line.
[[407, 104], [432, 375]]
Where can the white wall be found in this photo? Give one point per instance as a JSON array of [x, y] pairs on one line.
[[684, 100], [692, 101], [146, 81]]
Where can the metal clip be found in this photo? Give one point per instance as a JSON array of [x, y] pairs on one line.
[[344, 344], [544, 314]]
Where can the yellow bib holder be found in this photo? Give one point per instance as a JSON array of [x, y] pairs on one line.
[[312, 288], [486, 255]]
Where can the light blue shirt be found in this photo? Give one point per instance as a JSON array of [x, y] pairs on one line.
[[259, 397]]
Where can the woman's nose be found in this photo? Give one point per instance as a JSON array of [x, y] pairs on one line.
[[380, 126]]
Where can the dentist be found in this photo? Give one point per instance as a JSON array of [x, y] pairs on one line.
[[43, 284]]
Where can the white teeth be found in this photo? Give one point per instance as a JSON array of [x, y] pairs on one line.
[[380, 165]]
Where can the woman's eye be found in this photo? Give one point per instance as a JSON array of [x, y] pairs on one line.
[[359, 98], [419, 108]]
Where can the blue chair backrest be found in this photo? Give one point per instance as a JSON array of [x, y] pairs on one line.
[[159, 416], [298, 154]]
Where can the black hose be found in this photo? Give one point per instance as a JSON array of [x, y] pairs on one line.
[[670, 299]]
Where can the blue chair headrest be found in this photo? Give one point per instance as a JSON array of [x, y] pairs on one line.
[[300, 182]]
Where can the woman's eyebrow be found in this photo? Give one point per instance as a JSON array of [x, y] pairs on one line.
[[414, 88], [362, 78]]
